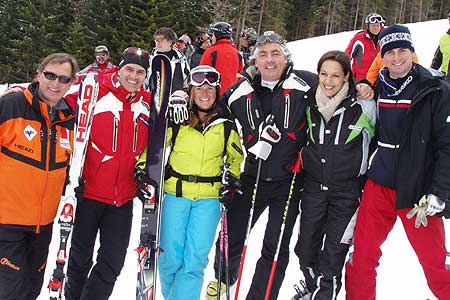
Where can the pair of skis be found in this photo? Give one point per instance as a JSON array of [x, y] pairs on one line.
[[87, 97]]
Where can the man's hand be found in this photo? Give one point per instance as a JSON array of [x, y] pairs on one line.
[[429, 205], [365, 92], [269, 134], [177, 109]]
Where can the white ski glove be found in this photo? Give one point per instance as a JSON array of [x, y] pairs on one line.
[[429, 205], [269, 134], [177, 108]]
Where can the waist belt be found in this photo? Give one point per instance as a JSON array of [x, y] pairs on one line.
[[189, 178]]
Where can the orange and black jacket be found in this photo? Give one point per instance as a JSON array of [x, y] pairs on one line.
[[34, 157]]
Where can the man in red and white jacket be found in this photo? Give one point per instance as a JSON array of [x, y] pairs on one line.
[[364, 47], [118, 135]]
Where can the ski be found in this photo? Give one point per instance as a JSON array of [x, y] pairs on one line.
[[87, 98], [147, 251]]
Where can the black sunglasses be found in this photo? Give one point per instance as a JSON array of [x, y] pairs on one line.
[[136, 51], [269, 37], [53, 76]]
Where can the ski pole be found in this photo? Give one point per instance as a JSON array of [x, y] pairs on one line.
[[227, 267], [295, 169], [222, 253], [247, 234]]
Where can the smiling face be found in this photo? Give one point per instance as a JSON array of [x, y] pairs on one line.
[[331, 77], [204, 96], [270, 61], [398, 61], [102, 57], [51, 91], [131, 77]]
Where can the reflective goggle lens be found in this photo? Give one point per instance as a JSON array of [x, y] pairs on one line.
[[136, 51], [199, 78], [53, 76], [375, 19]]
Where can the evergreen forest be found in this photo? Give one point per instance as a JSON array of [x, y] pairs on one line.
[[31, 29]]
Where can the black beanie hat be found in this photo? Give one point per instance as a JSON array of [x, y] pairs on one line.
[[395, 36], [134, 55]]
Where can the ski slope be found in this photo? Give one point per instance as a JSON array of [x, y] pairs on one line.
[[399, 274]]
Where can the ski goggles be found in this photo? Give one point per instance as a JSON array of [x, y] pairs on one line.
[[52, 76], [375, 19], [269, 37], [199, 77], [136, 51]]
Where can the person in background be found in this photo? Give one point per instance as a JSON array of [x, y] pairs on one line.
[[201, 43], [36, 140], [247, 41], [119, 133], [441, 59], [335, 159], [102, 62], [165, 39], [193, 188], [223, 55], [184, 44], [409, 173], [364, 46]]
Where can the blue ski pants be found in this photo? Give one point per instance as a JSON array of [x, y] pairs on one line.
[[188, 229]]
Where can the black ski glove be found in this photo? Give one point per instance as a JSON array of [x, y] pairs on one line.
[[79, 190], [230, 186], [146, 189]]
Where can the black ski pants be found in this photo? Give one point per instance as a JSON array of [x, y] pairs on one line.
[[23, 257], [325, 219], [274, 196], [114, 225]]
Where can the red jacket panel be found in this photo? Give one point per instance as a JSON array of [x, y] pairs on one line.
[[118, 135], [225, 57]]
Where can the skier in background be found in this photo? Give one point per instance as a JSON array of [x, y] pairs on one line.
[[247, 41], [165, 39], [104, 198], [36, 140], [102, 62], [364, 46], [223, 55], [441, 59], [201, 43]]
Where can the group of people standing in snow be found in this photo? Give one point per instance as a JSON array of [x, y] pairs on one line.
[[334, 119]]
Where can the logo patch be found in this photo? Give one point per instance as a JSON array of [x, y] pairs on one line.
[[29, 132], [354, 127], [448, 119]]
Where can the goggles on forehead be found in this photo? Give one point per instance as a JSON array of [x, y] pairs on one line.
[[200, 77], [269, 37], [136, 51], [375, 19]]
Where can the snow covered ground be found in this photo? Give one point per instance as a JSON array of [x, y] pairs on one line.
[[399, 274]]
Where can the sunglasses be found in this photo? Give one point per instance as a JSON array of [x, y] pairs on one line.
[[136, 51], [376, 19], [199, 78], [53, 76], [269, 37]]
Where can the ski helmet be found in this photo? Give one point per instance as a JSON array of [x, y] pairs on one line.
[[250, 35], [101, 49], [374, 18], [185, 39], [221, 30], [199, 76]]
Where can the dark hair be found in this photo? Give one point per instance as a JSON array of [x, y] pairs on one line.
[[167, 32], [340, 57], [59, 58]]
